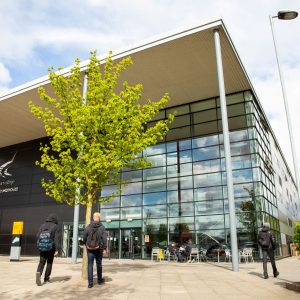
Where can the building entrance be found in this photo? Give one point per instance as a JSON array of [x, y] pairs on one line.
[[131, 243]]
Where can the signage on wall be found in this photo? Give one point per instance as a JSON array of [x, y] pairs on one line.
[[7, 185]]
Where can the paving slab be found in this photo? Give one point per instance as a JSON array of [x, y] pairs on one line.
[[140, 279]]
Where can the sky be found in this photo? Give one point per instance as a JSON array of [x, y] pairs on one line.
[[38, 34]]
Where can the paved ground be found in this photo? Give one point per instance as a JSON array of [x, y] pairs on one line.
[[128, 279]]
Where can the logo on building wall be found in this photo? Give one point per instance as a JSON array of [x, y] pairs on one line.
[[4, 168], [7, 185]]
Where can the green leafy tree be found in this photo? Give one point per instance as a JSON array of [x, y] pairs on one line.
[[92, 138], [296, 236]]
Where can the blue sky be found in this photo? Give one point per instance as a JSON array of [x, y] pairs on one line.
[[37, 34]]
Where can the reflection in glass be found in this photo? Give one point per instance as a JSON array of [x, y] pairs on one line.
[[110, 214], [186, 182], [156, 211], [209, 207], [209, 222], [154, 186], [206, 153], [186, 169], [172, 158], [208, 166], [181, 209], [205, 141], [185, 156], [131, 200], [172, 171], [132, 188], [156, 149], [157, 160], [131, 213], [132, 176], [154, 173], [209, 193], [154, 198], [207, 180]]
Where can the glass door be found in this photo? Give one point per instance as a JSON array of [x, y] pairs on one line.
[[131, 243], [113, 243]]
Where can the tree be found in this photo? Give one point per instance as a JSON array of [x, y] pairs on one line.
[[92, 139], [296, 236]]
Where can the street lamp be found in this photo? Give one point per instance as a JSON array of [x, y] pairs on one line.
[[286, 15]]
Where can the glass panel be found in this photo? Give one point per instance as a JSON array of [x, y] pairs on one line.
[[210, 193], [187, 195], [110, 214], [172, 147], [132, 176], [209, 222], [172, 158], [185, 169], [132, 200], [172, 184], [179, 133], [204, 116], [233, 110], [132, 188], [208, 166], [115, 202], [209, 207], [238, 162], [155, 224], [185, 145], [172, 171], [205, 141], [179, 110], [159, 116], [231, 99], [205, 128], [185, 156], [186, 182], [154, 198], [154, 186], [155, 173], [108, 190], [206, 153], [181, 209], [131, 213], [207, 180], [239, 176], [172, 197], [181, 121], [240, 148], [239, 135], [203, 105], [183, 224], [155, 211], [158, 160], [154, 150]]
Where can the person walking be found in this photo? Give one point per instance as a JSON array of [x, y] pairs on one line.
[[267, 242], [48, 244], [95, 239]]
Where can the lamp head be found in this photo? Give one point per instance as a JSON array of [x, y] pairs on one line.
[[287, 14]]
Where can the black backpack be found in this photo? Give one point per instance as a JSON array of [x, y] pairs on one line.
[[265, 239], [45, 243], [93, 239]]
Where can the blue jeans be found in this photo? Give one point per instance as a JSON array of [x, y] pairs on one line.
[[97, 255]]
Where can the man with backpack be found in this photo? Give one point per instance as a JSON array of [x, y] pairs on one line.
[[267, 242], [95, 239], [48, 243]]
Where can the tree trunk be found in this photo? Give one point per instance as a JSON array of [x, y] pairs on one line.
[[88, 215]]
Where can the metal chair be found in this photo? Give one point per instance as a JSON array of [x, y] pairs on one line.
[[202, 255], [248, 253], [194, 254], [155, 252], [227, 255]]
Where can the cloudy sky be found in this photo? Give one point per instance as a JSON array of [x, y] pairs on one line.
[[37, 34]]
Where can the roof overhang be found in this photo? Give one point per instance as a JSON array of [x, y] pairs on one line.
[[182, 64]]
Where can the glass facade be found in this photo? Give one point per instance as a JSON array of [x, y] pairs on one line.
[[183, 195]]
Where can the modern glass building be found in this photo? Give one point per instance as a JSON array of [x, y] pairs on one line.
[[184, 194]]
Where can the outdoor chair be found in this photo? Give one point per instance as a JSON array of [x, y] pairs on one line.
[[170, 255], [227, 255], [248, 253], [194, 255], [202, 255], [155, 252]]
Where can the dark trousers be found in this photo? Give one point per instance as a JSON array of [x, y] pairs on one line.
[[46, 257], [97, 255], [268, 253]]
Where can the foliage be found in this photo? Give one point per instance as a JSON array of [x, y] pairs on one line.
[[296, 236], [92, 138]]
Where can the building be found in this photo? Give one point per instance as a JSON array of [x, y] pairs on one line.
[[183, 196]]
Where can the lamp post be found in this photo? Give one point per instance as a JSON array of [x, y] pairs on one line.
[[286, 15]]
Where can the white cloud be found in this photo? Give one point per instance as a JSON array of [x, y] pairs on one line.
[[5, 78]]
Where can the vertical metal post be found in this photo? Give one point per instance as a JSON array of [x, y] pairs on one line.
[[76, 207], [230, 193], [286, 106]]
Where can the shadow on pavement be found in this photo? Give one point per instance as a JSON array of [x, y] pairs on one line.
[[60, 279]]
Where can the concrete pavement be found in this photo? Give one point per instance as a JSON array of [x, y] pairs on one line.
[[128, 279]]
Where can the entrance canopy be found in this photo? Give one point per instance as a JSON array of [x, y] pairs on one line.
[[181, 64]]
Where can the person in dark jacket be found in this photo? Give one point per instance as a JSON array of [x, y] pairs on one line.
[[97, 253], [48, 256], [267, 242]]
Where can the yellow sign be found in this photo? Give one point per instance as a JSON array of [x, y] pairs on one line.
[[18, 227]]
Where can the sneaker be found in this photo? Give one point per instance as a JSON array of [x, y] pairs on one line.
[[266, 276], [90, 285], [276, 274], [38, 278], [102, 281]]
